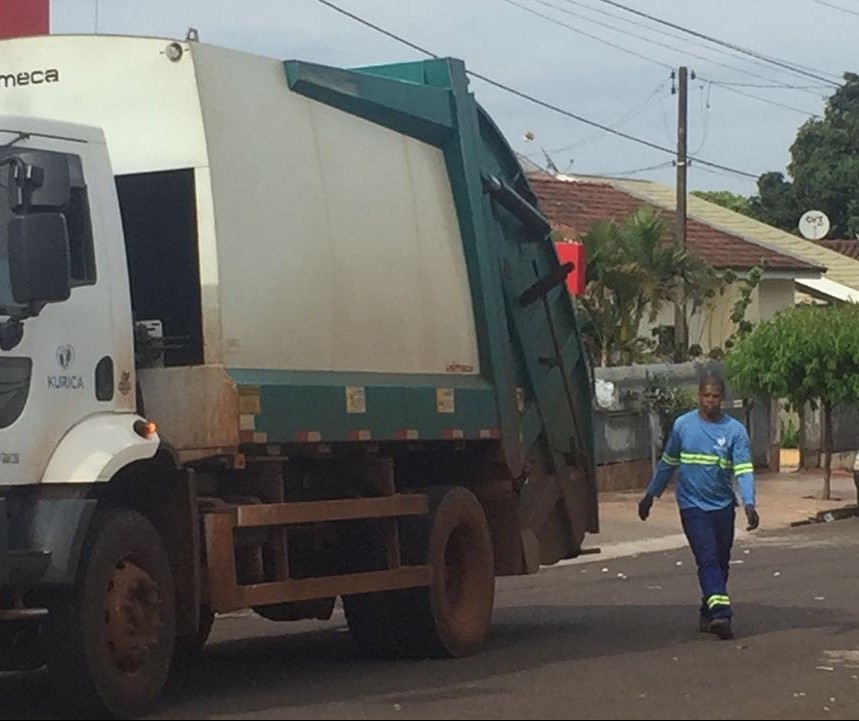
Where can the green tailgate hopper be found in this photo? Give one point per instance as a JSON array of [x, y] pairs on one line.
[[533, 362]]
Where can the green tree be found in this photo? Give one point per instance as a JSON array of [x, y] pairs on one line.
[[727, 199], [824, 168], [806, 354], [776, 202], [611, 299]]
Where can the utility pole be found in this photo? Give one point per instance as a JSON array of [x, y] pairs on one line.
[[681, 332]]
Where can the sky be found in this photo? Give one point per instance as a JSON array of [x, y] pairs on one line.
[[589, 58]]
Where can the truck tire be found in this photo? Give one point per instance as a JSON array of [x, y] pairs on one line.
[[189, 646], [452, 617], [374, 625], [110, 641], [372, 617]]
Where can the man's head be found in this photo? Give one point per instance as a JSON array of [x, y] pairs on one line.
[[711, 391]]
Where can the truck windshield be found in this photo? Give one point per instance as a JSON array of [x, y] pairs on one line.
[[15, 376]]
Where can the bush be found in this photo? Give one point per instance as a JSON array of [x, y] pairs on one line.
[[789, 436]]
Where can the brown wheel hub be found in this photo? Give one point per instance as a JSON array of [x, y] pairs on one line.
[[132, 615]]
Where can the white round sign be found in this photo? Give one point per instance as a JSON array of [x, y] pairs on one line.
[[814, 225]]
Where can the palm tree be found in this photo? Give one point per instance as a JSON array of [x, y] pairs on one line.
[[633, 270]]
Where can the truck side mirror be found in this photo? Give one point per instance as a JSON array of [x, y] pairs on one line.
[[40, 180], [39, 262]]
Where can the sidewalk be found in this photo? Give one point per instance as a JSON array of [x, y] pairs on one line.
[[784, 499]]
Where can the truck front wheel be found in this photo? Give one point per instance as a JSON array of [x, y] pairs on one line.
[[110, 642]]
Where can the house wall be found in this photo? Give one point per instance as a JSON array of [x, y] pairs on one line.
[[712, 325], [774, 295]]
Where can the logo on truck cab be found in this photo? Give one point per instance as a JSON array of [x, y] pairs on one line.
[[65, 356], [65, 359], [29, 77]]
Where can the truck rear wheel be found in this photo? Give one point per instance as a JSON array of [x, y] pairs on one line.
[[374, 623], [110, 643], [451, 617]]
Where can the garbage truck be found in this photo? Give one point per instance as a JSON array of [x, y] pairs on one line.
[[272, 334]]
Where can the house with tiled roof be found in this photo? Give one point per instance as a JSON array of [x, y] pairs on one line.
[[845, 246], [573, 204], [840, 278]]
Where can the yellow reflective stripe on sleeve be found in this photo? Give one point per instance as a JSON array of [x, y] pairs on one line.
[[670, 460], [717, 600], [743, 468]]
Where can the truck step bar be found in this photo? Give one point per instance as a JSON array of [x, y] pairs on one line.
[[227, 594]]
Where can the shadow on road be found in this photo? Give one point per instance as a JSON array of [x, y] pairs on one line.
[[321, 667]]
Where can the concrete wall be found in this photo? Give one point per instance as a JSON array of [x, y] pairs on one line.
[[628, 438], [845, 436]]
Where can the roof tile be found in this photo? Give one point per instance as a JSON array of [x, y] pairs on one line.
[[573, 206]]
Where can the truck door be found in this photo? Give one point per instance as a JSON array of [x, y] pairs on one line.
[[65, 368]]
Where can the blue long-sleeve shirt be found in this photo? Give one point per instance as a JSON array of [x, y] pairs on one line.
[[708, 454]]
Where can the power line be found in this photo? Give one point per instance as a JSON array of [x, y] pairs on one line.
[[646, 39], [705, 117], [794, 68], [635, 111], [712, 171], [836, 7], [763, 100], [640, 37], [537, 101], [681, 38], [591, 20], [658, 166], [619, 133], [377, 28], [774, 86], [586, 34]]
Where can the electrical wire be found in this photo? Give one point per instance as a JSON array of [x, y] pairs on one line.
[[517, 4], [646, 39], [537, 101], [792, 67], [634, 112], [763, 100], [717, 49], [836, 7], [658, 166], [587, 34]]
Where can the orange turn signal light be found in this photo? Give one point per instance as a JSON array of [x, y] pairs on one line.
[[145, 429]]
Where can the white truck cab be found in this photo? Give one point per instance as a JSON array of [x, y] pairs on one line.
[[66, 348]]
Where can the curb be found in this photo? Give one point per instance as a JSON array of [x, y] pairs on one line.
[[834, 514]]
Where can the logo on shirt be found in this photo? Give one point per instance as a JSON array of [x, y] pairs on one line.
[[720, 442]]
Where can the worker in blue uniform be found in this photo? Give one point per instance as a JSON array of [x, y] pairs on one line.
[[709, 449]]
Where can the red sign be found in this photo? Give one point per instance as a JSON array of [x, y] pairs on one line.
[[24, 17], [573, 253]]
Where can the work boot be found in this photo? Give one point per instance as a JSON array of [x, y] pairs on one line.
[[722, 628], [704, 623]]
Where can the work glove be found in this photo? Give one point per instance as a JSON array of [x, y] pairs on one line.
[[644, 506], [753, 518]]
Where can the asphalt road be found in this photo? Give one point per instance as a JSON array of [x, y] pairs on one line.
[[606, 638]]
